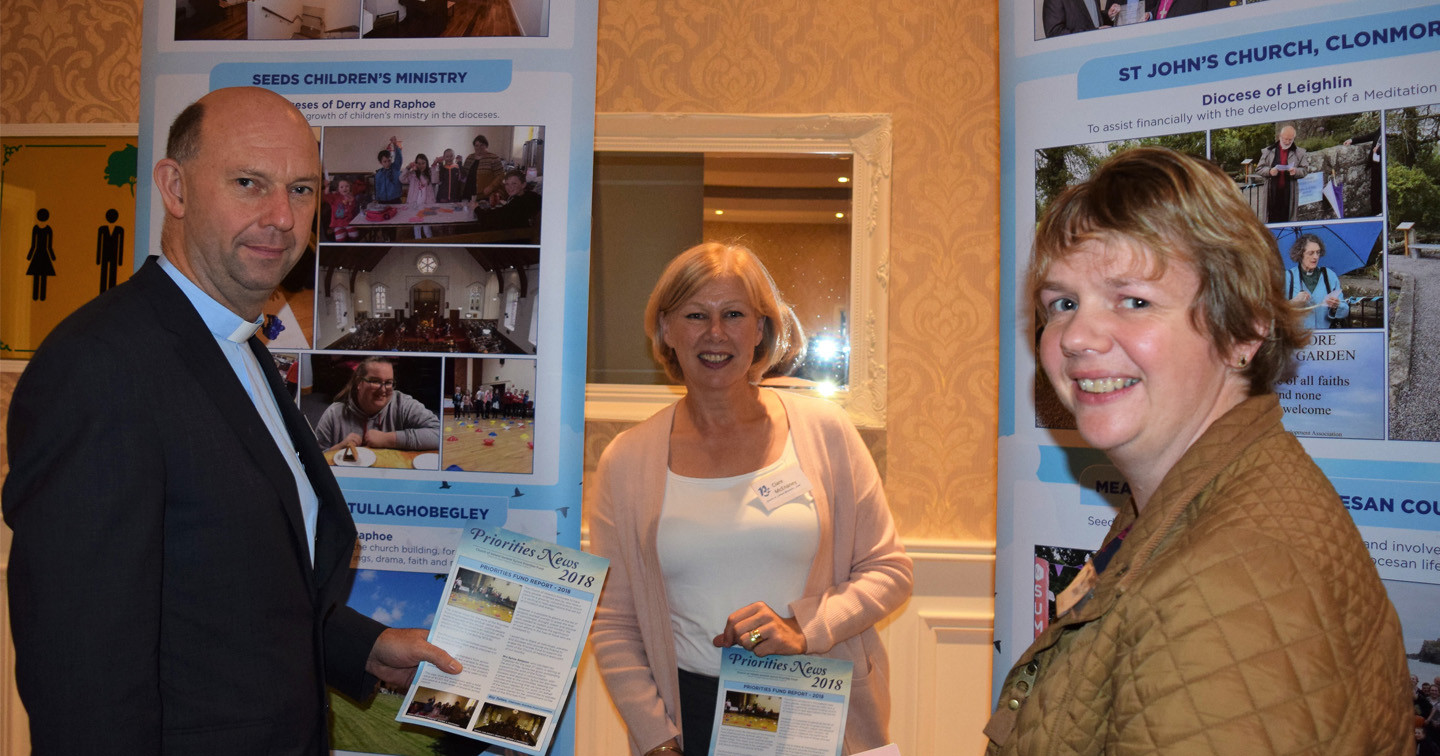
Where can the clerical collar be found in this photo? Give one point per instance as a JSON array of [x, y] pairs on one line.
[[219, 319]]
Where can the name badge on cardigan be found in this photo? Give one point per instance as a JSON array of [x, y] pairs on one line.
[[781, 487]]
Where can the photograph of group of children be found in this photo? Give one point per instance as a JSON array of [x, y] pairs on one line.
[[386, 411], [359, 19], [751, 711], [1349, 198], [437, 184], [486, 595]]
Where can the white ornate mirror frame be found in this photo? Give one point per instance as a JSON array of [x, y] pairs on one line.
[[868, 138]]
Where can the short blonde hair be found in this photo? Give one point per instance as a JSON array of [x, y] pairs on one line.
[[1181, 209], [781, 342]]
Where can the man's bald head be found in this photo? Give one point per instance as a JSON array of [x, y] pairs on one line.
[[183, 141], [239, 183]]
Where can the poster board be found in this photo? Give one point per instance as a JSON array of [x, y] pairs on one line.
[[462, 301], [1358, 82]]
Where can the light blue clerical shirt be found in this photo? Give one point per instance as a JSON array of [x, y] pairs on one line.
[[232, 332]]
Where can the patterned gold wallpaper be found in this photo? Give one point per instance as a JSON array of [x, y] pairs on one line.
[[931, 64], [70, 61]]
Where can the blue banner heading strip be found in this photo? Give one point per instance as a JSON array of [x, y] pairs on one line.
[[367, 77], [1378, 493], [1333, 42], [403, 508]]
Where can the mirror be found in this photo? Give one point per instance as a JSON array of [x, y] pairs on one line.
[[810, 194]]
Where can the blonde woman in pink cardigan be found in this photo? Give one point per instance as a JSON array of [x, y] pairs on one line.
[[698, 560]]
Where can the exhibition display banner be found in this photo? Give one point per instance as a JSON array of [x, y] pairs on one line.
[[1327, 118], [433, 334]]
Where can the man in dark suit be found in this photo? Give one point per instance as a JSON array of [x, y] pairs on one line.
[[1067, 17], [181, 551]]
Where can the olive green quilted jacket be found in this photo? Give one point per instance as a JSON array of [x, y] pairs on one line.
[[1241, 615]]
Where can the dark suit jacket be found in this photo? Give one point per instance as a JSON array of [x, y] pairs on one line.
[[1065, 17], [161, 591], [1186, 7]]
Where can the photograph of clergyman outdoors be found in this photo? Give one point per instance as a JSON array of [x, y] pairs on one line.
[[465, 300], [435, 184], [1057, 18], [354, 19]]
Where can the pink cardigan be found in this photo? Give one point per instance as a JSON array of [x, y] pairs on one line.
[[860, 573]]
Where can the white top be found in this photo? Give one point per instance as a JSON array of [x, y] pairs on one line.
[[721, 549]]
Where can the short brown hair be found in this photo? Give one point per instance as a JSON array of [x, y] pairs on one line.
[[1180, 209], [781, 342], [183, 141]]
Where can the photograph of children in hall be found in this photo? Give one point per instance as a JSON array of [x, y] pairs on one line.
[[374, 410], [483, 594], [489, 416], [466, 300], [1056, 18], [509, 724], [354, 19], [751, 711], [442, 184]]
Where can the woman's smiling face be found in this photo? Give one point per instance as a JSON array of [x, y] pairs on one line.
[[1122, 350], [714, 333]]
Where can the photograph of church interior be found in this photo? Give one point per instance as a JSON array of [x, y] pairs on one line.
[[269, 19], [493, 429], [457, 300]]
